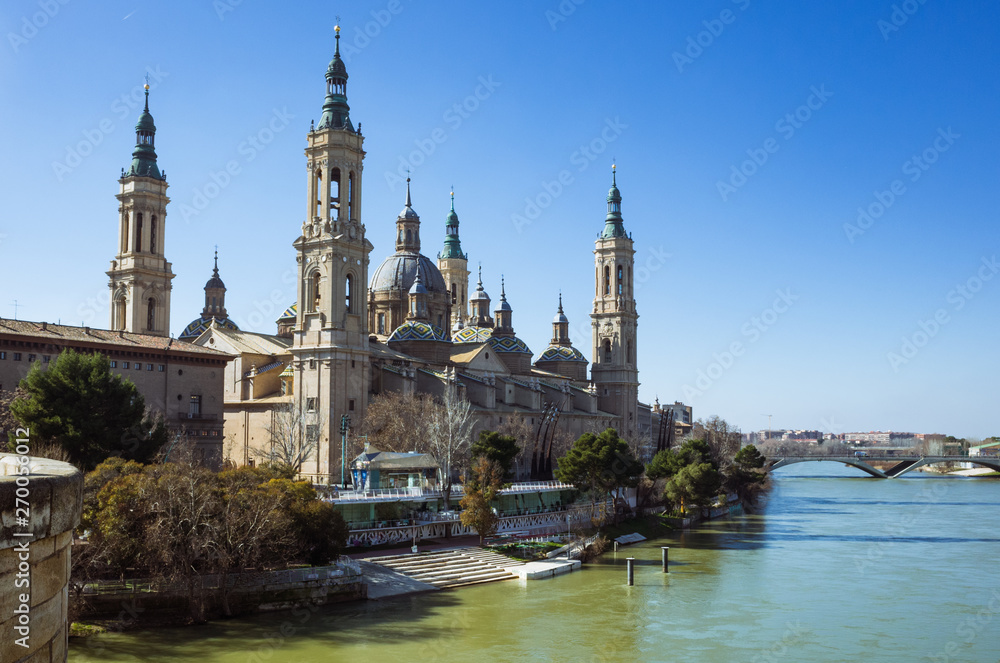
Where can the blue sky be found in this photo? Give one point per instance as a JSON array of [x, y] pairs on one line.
[[747, 136]]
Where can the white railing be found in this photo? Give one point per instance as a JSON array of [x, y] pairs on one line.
[[457, 491]]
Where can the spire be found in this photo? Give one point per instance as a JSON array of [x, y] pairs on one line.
[[613, 224], [560, 326], [504, 313], [144, 154], [418, 298], [215, 294], [408, 226], [480, 305], [336, 112], [452, 243]]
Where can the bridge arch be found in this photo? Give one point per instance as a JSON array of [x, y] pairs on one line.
[[901, 464]]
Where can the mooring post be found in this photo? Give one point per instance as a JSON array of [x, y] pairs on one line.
[[630, 562], [616, 546], [665, 549]]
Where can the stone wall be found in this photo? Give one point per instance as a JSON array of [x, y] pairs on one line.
[[35, 555]]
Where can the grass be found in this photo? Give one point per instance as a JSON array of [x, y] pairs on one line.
[[526, 552], [650, 527], [81, 630]]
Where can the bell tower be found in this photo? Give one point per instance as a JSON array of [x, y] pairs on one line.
[[614, 320], [140, 275], [330, 338], [454, 266]]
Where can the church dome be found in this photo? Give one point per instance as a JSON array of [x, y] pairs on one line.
[[413, 330], [399, 271], [472, 335], [509, 344], [562, 353], [199, 325]]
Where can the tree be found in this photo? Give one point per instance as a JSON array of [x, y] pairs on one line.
[[450, 433], [722, 439], [84, 408], [502, 449], [319, 532], [746, 477], [602, 464], [399, 422], [694, 485], [481, 490], [669, 462], [293, 436]]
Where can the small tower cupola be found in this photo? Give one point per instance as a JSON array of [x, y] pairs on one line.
[[452, 243], [613, 224], [503, 314], [144, 154], [408, 226], [560, 327], [418, 299], [336, 112], [215, 294], [480, 302]]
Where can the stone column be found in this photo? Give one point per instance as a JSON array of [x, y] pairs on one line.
[[35, 555]]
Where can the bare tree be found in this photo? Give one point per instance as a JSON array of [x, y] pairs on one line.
[[398, 422], [450, 437], [723, 439], [293, 437]]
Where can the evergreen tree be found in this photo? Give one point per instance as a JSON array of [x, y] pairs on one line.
[[79, 405]]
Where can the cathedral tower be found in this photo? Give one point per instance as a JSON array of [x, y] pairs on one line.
[[330, 337], [614, 370], [454, 266], [140, 275]]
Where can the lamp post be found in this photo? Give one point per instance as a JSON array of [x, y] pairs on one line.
[[345, 423]]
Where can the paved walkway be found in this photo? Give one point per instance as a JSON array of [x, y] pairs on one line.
[[424, 546]]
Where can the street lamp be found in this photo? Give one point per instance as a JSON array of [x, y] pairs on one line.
[[345, 423]]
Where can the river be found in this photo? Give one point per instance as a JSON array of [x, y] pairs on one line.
[[836, 567]]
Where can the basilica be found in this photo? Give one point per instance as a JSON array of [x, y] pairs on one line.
[[410, 324]]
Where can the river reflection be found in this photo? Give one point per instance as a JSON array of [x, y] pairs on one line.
[[834, 568]]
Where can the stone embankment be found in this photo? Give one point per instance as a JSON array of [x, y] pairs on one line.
[[41, 504]]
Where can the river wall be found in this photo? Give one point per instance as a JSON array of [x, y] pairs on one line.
[[41, 502], [144, 602]]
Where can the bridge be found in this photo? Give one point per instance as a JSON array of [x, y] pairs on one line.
[[901, 464]]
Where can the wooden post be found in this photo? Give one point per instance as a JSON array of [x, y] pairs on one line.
[[665, 550], [630, 562]]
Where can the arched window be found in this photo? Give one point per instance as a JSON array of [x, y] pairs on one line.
[[350, 196], [607, 280], [124, 232], [349, 293], [152, 234], [621, 280], [150, 314], [607, 350], [314, 286], [409, 236], [138, 232], [319, 193], [335, 194], [381, 323], [454, 293], [120, 312], [213, 304]]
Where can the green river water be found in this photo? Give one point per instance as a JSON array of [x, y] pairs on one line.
[[836, 567]]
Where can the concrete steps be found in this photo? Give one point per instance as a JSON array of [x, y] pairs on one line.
[[451, 568]]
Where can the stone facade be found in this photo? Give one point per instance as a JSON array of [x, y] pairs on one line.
[[34, 596]]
